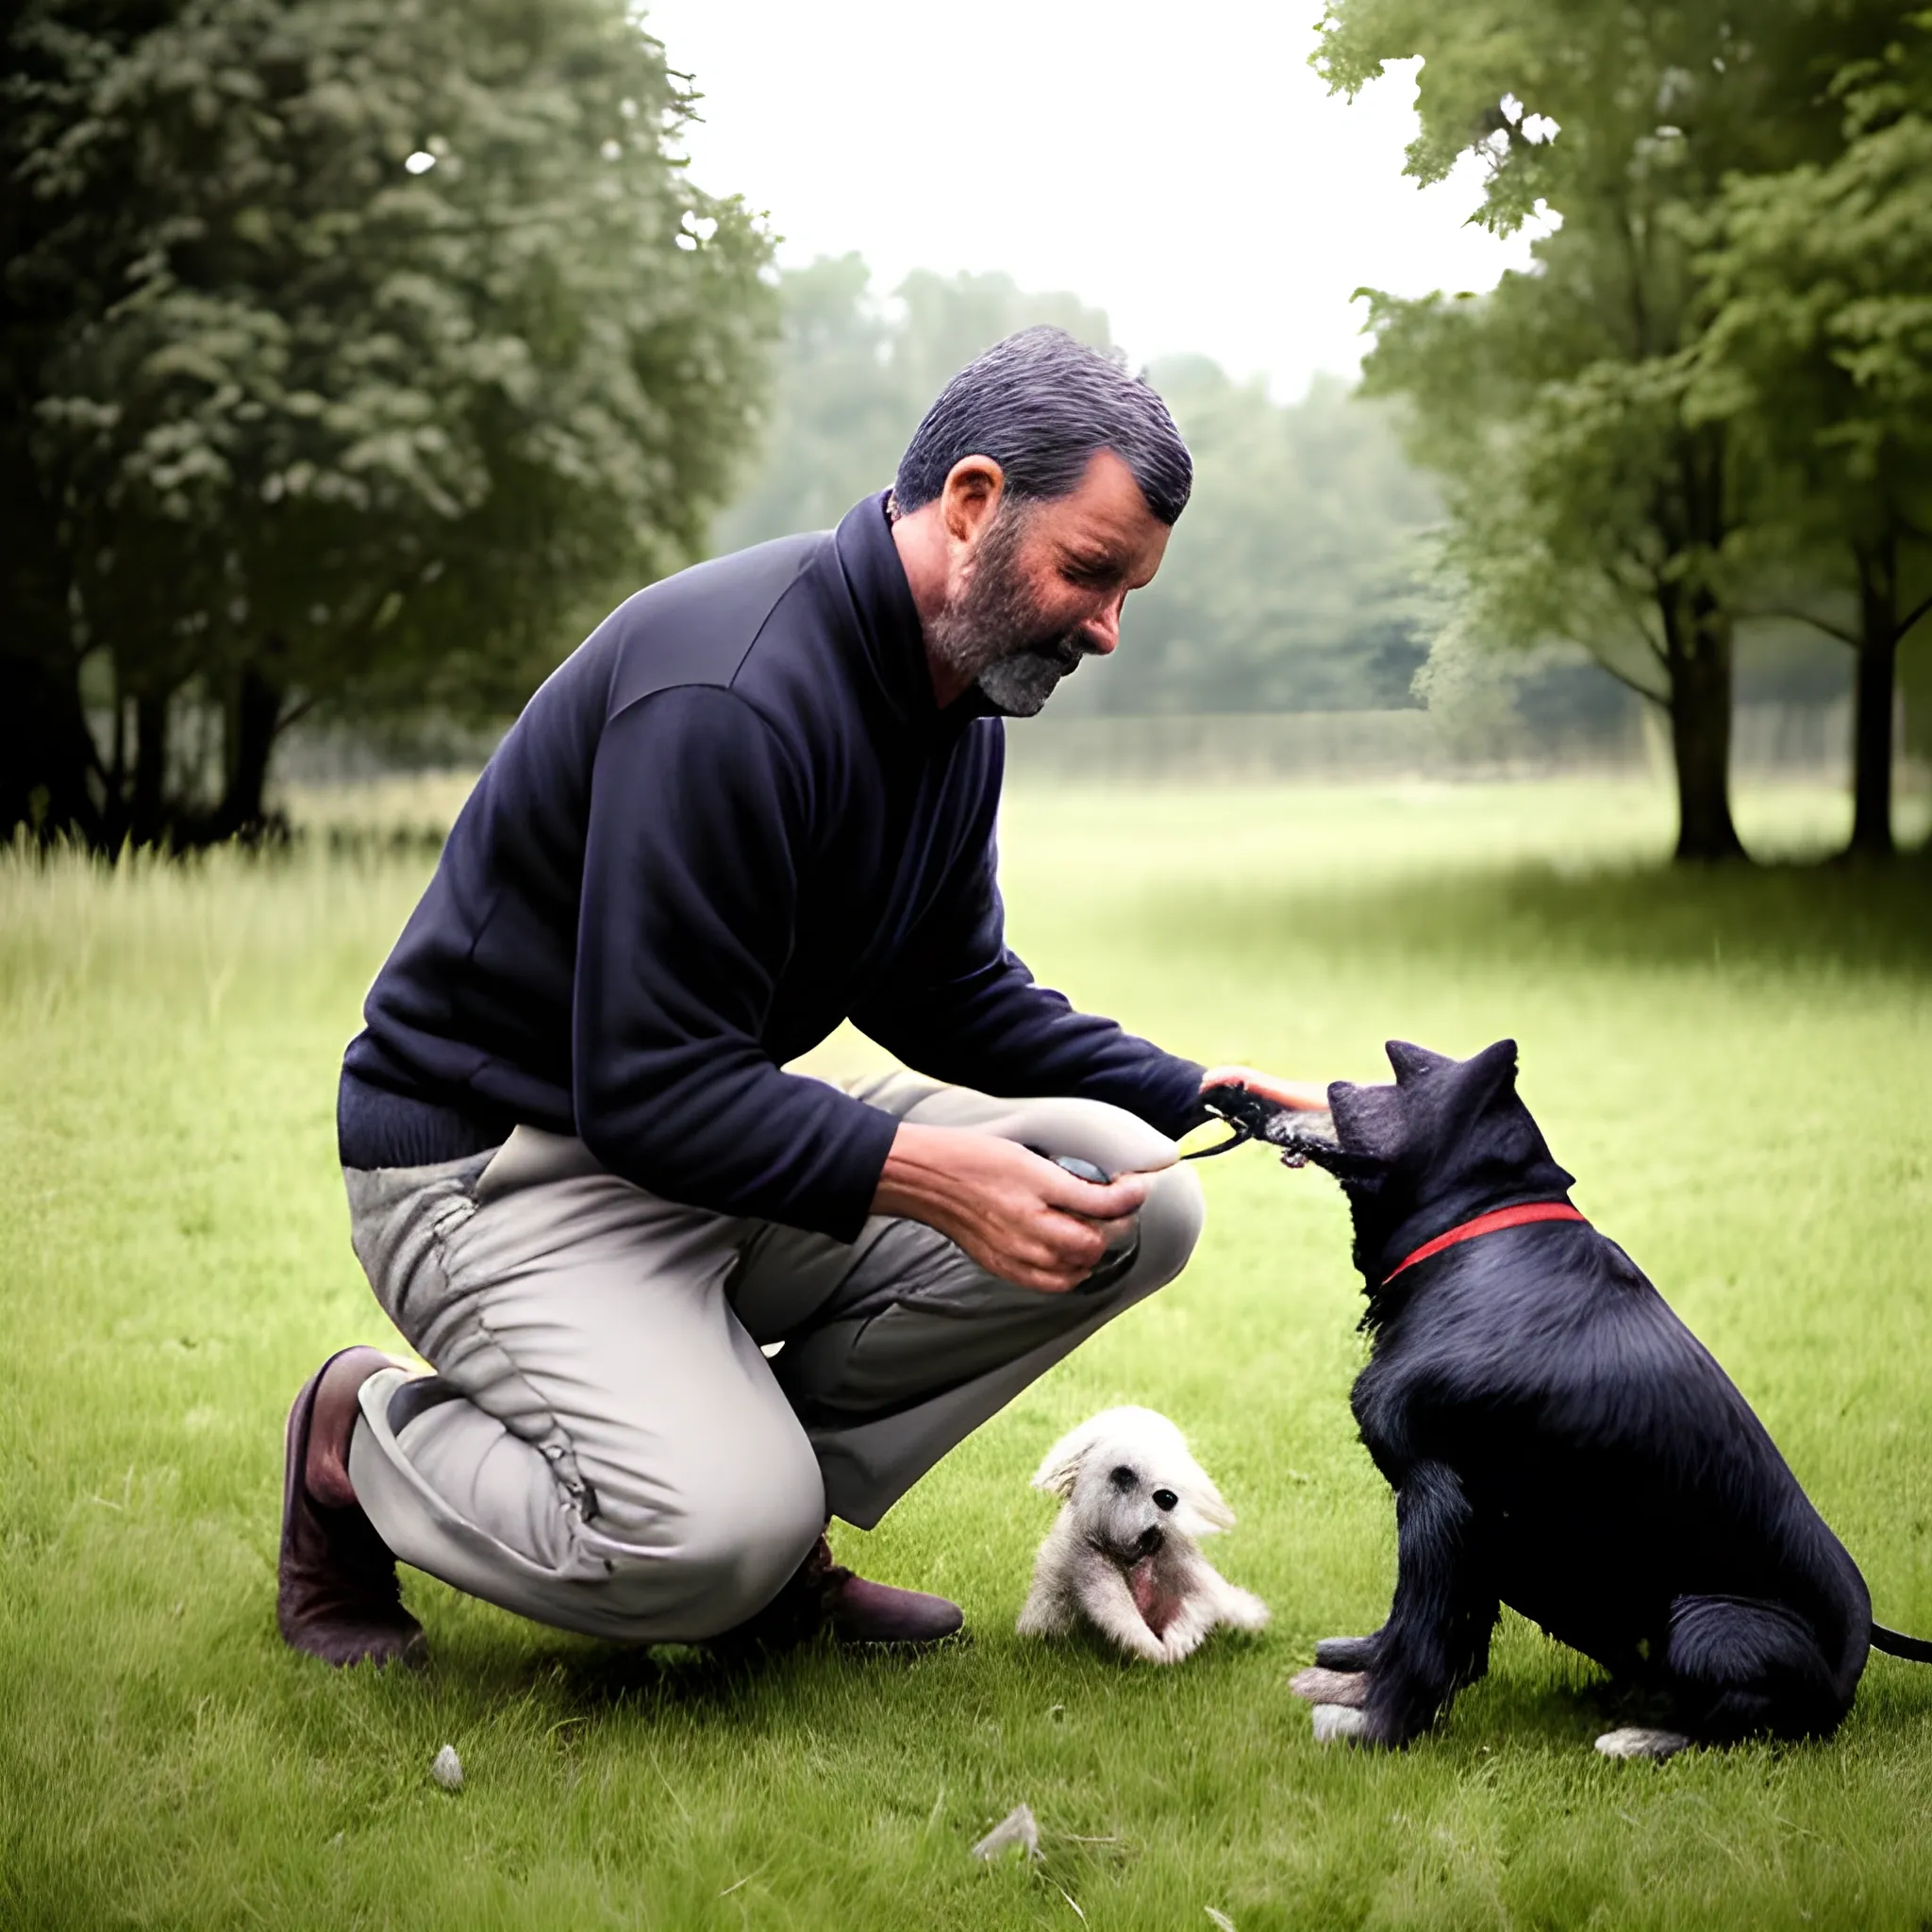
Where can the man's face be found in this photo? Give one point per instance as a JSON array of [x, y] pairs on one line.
[[1043, 584]]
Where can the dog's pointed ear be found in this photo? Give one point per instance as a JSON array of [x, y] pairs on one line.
[[1059, 1470], [1485, 1076], [1214, 1513], [1501, 1055], [1410, 1062]]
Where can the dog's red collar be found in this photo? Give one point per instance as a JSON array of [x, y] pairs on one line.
[[1488, 1224]]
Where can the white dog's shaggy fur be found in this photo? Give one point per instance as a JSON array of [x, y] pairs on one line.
[[1122, 1552]]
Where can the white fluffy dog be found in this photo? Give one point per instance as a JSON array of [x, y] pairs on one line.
[[1122, 1552]]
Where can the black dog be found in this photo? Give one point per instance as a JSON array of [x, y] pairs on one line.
[[1560, 1441]]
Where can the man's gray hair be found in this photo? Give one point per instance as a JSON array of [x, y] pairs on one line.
[[1041, 404]]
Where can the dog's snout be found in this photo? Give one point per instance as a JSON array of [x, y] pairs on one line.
[[1165, 1499], [1151, 1539]]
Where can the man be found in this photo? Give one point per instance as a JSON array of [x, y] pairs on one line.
[[759, 801]]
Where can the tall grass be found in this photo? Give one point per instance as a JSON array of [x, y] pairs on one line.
[[1735, 1065]]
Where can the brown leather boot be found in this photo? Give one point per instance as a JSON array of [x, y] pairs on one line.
[[336, 1591], [824, 1595]]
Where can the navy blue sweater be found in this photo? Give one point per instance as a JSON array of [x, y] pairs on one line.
[[733, 818]]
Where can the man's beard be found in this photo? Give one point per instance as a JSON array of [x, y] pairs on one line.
[[992, 633]]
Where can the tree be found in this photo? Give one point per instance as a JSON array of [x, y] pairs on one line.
[[1819, 359], [354, 349], [1586, 501]]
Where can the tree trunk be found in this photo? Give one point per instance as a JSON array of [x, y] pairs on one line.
[[147, 810], [48, 765], [1873, 701], [46, 755], [1698, 636], [253, 717]]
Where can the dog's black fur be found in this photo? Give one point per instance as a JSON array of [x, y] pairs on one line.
[[1560, 1441]]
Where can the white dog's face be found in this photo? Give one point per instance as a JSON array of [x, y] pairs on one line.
[[1132, 1485]]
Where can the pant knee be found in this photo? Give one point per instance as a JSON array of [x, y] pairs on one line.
[[1172, 1218], [1093, 1130], [1110, 1137], [731, 1543]]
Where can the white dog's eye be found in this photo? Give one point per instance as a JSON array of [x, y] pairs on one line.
[[1165, 1499], [1122, 1478]]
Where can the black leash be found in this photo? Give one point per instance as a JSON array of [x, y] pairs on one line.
[[1251, 1118]]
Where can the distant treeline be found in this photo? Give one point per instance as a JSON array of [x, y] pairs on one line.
[[354, 360]]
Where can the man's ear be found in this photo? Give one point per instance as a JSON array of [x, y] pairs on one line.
[[971, 497]]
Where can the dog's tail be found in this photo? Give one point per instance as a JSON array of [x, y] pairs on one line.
[[1913, 1649]]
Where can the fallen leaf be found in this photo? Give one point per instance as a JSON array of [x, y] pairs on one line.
[[1018, 1828]]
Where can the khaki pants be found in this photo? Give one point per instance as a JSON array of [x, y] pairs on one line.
[[604, 1446]]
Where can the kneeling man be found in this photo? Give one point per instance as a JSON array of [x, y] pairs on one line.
[[759, 801]]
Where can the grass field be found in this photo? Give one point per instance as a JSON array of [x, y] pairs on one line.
[[1738, 1067]]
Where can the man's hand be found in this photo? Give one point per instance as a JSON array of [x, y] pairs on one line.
[[1019, 1217], [1297, 1094]]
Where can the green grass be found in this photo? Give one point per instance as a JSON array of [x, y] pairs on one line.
[[1736, 1066]]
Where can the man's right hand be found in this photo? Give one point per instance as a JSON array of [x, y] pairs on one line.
[[1019, 1216]]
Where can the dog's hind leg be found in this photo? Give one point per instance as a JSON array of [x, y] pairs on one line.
[[1737, 1667], [1437, 1638]]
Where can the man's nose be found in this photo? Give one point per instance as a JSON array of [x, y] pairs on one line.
[[1102, 633]]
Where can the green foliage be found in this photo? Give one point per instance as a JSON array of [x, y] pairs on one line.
[[177, 1262], [1292, 581], [1584, 502], [315, 418], [1818, 359], [1592, 495], [1571, 503]]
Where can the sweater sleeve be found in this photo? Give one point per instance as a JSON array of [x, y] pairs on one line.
[[690, 882], [962, 1007]]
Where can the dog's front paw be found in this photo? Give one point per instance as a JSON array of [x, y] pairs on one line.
[[1127, 1632], [1242, 1608], [1319, 1686], [1044, 1620], [1639, 1741], [1183, 1637], [1333, 1721], [1347, 1652]]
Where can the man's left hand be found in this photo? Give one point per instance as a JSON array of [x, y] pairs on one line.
[[1297, 1094]]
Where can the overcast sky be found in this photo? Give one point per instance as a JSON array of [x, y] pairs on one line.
[[1179, 164]]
